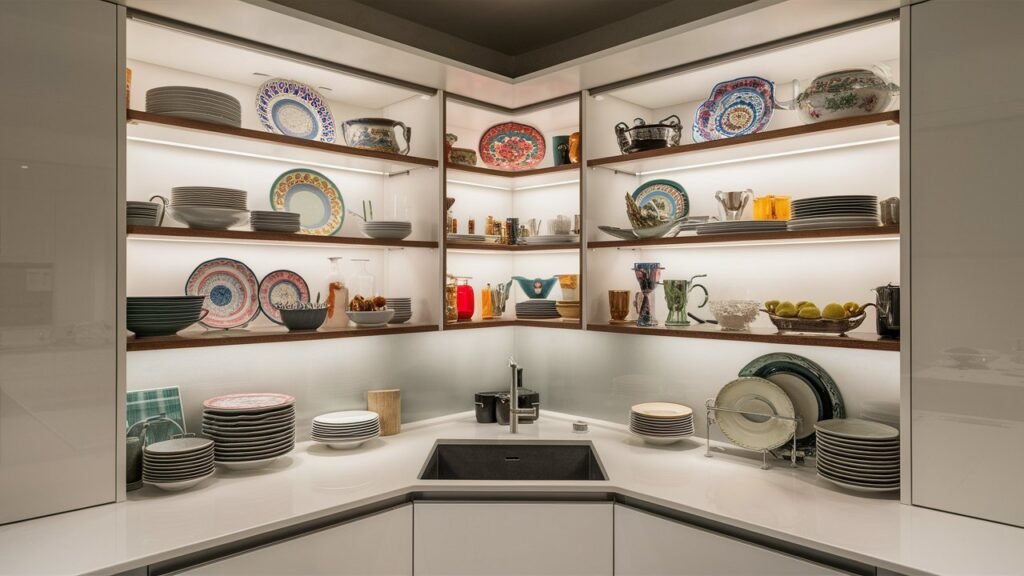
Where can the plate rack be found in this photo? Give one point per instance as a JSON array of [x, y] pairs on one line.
[[711, 409]]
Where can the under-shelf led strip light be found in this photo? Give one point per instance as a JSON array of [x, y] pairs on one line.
[[535, 186], [749, 243], [774, 155], [489, 186], [258, 156]]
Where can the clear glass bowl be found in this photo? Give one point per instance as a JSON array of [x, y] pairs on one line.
[[734, 315]]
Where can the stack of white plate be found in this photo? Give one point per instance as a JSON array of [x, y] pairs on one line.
[[661, 422], [250, 430], [208, 207], [402, 308], [386, 230], [741, 226], [859, 454], [827, 212], [142, 213], [268, 221], [195, 104], [177, 464], [552, 239], [536, 308], [346, 430]]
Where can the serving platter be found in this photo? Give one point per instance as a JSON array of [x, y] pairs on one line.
[[512, 146], [735, 108], [294, 109]]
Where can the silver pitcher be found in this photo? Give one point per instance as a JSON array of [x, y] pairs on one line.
[[732, 204]]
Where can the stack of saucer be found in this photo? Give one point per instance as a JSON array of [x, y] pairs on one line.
[[195, 104], [858, 454], [177, 464], [386, 230], [346, 430], [536, 309], [268, 221], [661, 422], [402, 308], [143, 213], [250, 430], [208, 207]]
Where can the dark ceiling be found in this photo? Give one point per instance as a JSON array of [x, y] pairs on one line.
[[512, 37]]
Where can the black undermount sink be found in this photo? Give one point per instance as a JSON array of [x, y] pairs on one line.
[[512, 460]]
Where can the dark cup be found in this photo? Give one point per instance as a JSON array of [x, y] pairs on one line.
[[560, 144]]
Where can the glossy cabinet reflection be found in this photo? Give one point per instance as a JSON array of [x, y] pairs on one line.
[[58, 256], [967, 258]]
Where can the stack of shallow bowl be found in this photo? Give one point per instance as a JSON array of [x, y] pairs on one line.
[[402, 308], [268, 221], [142, 213], [386, 230], [536, 309], [250, 430], [346, 430], [661, 422], [858, 454], [177, 464], [209, 207], [195, 104], [162, 315]]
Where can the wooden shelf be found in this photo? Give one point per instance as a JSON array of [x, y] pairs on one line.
[[780, 237], [485, 247], [866, 128], [855, 340], [379, 160], [271, 237], [201, 339], [556, 323], [512, 173]]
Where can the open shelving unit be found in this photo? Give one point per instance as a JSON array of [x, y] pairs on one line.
[[235, 337], [855, 340], [878, 232], [167, 232]]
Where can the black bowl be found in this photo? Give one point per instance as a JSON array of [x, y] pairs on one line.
[[303, 319]]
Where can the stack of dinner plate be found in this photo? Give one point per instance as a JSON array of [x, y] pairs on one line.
[[195, 104], [552, 239], [162, 315], [828, 212], [269, 221], [402, 308], [142, 213], [209, 207], [250, 430], [741, 226], [859, 454], [386, 229], [661, 422], [177, 464], [536, 309], [347, 429]]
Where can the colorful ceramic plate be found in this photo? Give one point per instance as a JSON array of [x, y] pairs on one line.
[[789, 371], [281, 287], [256, 401], [735, 108], [512, 146], [757, 397], [231, 290], [313, 196], [294, 109], [668, 198]]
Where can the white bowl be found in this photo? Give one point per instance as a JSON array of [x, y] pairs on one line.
[[208, 218], [735, 315], [385, 231], [376, 319]]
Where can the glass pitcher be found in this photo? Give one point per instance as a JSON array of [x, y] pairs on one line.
[[337, 296]]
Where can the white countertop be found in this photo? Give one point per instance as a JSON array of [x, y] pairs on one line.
[[314, 481]]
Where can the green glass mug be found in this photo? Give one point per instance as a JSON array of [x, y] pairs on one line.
[[677, 293]]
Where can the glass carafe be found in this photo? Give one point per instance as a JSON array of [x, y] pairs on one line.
[[363, 282], [337, 296]]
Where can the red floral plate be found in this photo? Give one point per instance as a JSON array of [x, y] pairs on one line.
[[512, 146]]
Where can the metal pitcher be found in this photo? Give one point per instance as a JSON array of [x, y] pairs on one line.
[[887, 320], [732, 204]]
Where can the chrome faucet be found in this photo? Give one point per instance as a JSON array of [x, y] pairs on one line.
[[514, 411]]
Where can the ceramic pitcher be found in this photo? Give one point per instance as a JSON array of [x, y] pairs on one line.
[[677, 292], [376, 134]]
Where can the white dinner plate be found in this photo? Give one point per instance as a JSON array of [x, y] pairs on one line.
[[760, 396]]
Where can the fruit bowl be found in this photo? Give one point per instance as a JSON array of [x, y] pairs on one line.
[[838, 326]]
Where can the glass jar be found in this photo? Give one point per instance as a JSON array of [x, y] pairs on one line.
[[465, 302], [337, 296], [363, 283], [451, 310]]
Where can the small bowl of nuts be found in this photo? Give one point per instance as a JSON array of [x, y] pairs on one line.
[[369, 312]]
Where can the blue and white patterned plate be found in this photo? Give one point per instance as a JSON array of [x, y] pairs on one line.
[[735, 108], [231, 290], [666, 197], [294, 109]]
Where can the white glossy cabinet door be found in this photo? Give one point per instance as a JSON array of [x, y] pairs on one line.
[[967, 257], [513, 539], [58, 255], [648, 545], [379, 545]]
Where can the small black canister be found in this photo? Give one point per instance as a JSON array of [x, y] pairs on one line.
[[485, 403]]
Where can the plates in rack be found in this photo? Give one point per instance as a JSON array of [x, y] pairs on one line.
[[761, 398], [512, 146], [294, 109], [735, 108], [666, 197], [231, 290], [279, 288], [313, 196]]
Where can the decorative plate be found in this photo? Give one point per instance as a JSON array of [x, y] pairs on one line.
[[252, 401], [735, 108], [231, 290], [294, 109], [512, 146], [758, 396], [313, 196], [782, 368], [666, 197], [281, 287]]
